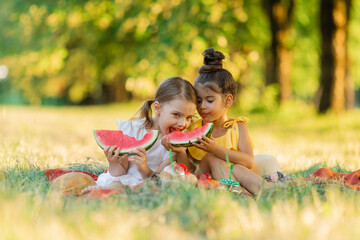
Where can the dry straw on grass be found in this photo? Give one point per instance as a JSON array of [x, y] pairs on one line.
[[33, 139]]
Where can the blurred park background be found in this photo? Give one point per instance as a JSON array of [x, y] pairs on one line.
[[292, 59], [85, 52]]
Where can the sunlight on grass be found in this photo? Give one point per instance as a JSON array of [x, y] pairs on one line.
[[33, 139]]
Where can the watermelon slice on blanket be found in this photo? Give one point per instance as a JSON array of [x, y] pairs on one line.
[[186, 139], [126, 143]]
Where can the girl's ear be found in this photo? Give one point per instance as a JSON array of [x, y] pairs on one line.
[[157, 108], [229, 99]]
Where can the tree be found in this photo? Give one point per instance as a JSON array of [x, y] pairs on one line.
[[278, 65], [336, 91], [104, 51]]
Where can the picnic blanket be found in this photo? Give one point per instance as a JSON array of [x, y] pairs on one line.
[[350, 179], [51, 174]]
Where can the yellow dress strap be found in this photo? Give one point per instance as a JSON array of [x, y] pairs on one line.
[[238, 119], [234, 131]]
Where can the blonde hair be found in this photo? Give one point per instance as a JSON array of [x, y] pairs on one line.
[[168, 90]]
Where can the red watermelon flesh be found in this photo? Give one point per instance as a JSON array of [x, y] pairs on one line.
[[187, 139], [126, 143]]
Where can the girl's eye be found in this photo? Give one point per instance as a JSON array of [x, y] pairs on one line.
[[199, 101], [210, 101], [176, 114], [189, 118]]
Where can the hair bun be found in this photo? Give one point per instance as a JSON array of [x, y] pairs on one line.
[[212, 60]]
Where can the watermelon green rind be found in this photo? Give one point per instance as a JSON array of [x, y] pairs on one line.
[[136, 143], [98, 140], [153, 140], [209, 127]]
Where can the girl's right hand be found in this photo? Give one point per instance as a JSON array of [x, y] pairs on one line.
[[118, 164], [114, 156], [208, 144]]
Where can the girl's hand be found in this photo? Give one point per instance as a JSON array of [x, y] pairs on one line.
[[138, 156], [114, 156], [167, 145], [208, 144], [118, 164]]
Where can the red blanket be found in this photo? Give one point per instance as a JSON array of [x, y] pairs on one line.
[[350, 179], [51, 174]]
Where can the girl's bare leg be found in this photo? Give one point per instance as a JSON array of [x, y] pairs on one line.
[[217, 167], [204, 166], [117, 186], [250, 180]]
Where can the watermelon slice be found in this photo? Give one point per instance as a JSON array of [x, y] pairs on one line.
[[126, 143], [187, 139]]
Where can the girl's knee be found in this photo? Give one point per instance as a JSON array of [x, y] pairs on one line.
[[265, 164], [215, 161]]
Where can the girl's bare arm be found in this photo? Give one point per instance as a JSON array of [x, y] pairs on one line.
[[244, 157]]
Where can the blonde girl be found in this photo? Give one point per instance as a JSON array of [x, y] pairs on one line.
[[174, 105]]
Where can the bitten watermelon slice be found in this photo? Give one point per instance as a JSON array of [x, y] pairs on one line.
[[126, 143], [187, 139]]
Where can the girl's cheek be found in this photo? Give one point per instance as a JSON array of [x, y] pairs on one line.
[[188, 123]]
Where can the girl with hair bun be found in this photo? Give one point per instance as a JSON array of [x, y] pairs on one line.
[[174, 106], [216, 90]]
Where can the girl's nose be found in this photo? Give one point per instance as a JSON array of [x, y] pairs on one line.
[[181, 122]]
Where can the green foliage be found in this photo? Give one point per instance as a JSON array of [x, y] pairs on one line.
[[75, 49], [353, 42], [103, 51], [305, 46]]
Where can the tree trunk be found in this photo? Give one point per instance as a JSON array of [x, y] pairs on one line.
[[336, 87], [278, 63], [116, 91]]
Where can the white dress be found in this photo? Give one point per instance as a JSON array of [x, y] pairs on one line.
[[155, 156]]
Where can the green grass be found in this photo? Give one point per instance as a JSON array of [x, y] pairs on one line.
[[33, 139]]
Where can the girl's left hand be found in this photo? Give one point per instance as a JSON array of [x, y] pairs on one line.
[[208, 144], [167, 145]]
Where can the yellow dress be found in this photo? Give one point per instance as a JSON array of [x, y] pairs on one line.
[[229, 139]]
